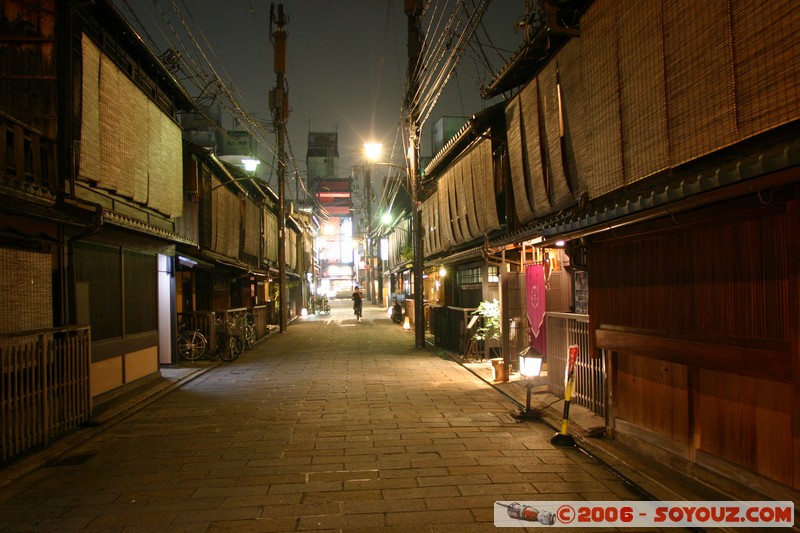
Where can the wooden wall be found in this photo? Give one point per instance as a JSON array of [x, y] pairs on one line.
[[701, 310]]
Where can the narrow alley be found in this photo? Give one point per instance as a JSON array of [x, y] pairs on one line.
[[335, 425]]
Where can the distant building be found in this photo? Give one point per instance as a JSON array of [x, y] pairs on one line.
[[322, 158], [202, 127], [443, 130], [334, 197]]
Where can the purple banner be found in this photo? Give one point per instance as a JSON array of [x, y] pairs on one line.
[[535, 289]]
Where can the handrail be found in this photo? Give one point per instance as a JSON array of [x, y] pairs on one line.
[[570, 316], [28, 333]]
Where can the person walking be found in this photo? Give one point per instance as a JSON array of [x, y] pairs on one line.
[[357, 299]]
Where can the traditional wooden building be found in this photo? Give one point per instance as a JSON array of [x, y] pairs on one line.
[[662, 147], [90, 188]]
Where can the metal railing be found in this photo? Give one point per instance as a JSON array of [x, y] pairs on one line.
[[45, 386], [563, 330], [206, 321], [202, 321]]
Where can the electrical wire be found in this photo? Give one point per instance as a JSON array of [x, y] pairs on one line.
[[196, 63]]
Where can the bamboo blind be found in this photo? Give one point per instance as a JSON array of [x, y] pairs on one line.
[[577, 128], [767, 72], [270, 236], [435, 224], [645, 144], [291, 249], [483, 174], [128, 145], [89, 166], [226, 223], [252, 229], [430, 214], [555, 180], [534, 157], [463, 207], [165, 164], [602, 94], [112, 149], [468, 193], [461, 201], [445, 215], [516, 146], [449, 214], [27, 288], [647, 87], [140, 169], [699, 78]]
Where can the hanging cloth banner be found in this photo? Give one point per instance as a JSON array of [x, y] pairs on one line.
[[535, 306]]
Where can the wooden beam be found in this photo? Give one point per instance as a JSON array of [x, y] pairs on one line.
[[773, 364]]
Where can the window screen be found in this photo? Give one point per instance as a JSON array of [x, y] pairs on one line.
[[99, 266], [118, 280], [140, 292]]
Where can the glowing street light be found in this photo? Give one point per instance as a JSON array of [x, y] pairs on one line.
[[530, 368], [373, 151], [250, 165]]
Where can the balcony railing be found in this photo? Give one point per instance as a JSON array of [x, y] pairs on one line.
[[27, 159], [563, 330], [45, 386]]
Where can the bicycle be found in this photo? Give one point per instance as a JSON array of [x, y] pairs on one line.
[[230, 342], [321, 305], [250, 335], [191, 343], [357, 308]]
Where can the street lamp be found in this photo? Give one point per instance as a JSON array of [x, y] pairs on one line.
[[413, 181], [372, 151], [250, 165], [530, 367]]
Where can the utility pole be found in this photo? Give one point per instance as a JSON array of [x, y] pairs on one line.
[[413, 10], [280, 110], [379, 268], [367, 227]]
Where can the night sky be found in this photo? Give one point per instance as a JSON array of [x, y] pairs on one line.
[[346, 62]]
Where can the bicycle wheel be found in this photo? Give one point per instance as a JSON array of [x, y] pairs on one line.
[[230, 348], [250, 336], [192, 345], [237, 344], [224, 347]]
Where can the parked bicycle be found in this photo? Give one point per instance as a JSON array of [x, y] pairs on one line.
[[250, 335], [192, 344], [321, 305], [230, 339]]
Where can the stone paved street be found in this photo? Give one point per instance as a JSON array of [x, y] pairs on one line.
[[335, 425]]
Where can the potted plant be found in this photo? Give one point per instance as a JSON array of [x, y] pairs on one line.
[[489, 330], [490, 325]]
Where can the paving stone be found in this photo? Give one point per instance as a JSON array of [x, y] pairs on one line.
[[320, 428]]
